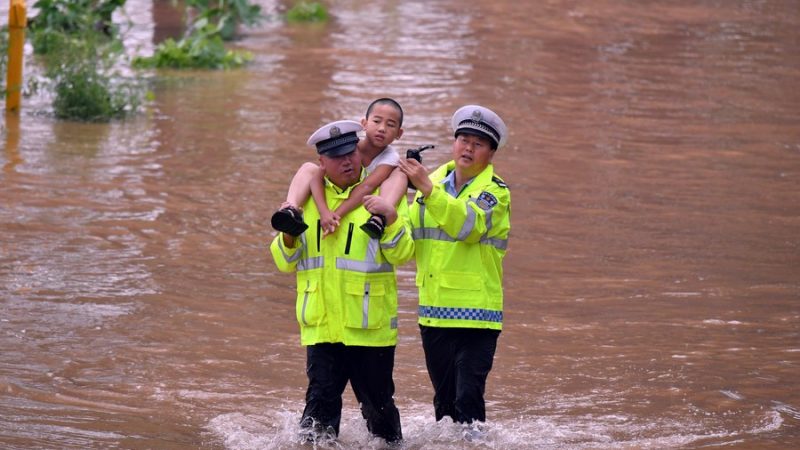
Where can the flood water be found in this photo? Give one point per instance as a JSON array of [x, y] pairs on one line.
[[653, 273]]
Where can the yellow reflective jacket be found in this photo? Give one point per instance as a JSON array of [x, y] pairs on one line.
[[460, 244], [346, 284]]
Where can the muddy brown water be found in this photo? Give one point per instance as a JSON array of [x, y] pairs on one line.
[[652, 281]]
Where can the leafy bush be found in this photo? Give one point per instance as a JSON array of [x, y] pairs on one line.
[[85, 86], [203, 45], [304, 11], [202, 48], [71, 18], [226, 14], [80, 46], [84, 95]]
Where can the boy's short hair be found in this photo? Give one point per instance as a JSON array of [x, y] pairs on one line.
[[386, 101]]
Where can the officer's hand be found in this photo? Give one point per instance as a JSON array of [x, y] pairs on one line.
[[417, 174]]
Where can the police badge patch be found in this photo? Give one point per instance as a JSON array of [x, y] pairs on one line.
[[486, 201]]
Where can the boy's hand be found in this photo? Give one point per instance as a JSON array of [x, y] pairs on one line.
[[329, 221], [288, 204]]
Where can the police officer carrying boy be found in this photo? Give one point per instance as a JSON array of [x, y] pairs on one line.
[[346, 302], [460, 220]]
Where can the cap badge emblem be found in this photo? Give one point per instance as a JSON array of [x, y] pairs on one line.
[[476, 115], [335, 132]]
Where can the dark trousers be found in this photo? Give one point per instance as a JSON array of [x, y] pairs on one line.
[[369, 370], [459, 360]]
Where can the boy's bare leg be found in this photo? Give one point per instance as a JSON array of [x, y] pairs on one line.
[[392, 190], [288, 219], [395, 187]]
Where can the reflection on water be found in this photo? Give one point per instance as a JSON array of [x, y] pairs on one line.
[[651, 288]]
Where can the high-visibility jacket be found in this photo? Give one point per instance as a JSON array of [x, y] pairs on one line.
[[460, 243], [346, 284]]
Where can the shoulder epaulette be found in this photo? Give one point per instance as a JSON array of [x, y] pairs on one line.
[[499, 182]]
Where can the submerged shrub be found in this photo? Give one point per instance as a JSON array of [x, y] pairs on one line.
[[201, 48], [227, 15], [85, 86], [80, 47], [304, 11], [74, 18], [82, 95]]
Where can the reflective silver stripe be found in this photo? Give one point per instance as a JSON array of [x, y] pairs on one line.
[[365, 307], [393, 242], [288, 258], [438, 234], [310, 263], [362, 266], [421, 215], [500, 244], [488, 220], [305, 302], [372, 250], [469, 223]]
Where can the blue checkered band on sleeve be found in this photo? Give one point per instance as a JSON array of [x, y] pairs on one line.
[[436, 312]]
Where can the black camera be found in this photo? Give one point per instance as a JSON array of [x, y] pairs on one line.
[[414, 153]]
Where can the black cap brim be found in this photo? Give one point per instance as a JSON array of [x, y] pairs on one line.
[[340, 150], [478, 133]]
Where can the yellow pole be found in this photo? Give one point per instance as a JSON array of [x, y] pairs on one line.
[[17, 20]]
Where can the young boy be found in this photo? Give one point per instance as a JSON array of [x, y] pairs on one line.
[[383, 124]]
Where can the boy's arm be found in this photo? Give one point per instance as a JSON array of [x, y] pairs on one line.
[[318, 191], [366, 187], [328, 220]]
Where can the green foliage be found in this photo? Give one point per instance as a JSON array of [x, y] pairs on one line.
[[86, 96], [85, 86], [304, 11], [226, 14], [203, 45], [57, 18], [202, 48], [80, 46]]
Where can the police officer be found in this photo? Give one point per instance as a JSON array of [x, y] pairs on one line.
[[460, 220], [346, 295]]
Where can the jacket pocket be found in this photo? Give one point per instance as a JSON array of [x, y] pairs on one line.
[[309, 307], [464, 281], [365, 304]]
